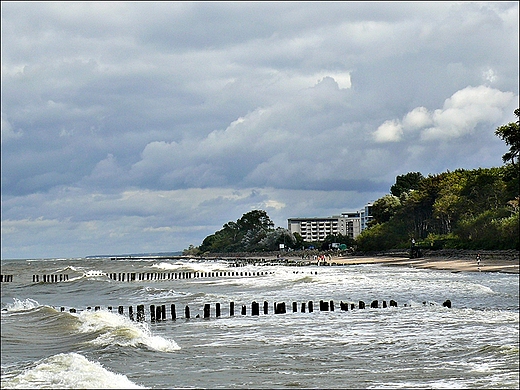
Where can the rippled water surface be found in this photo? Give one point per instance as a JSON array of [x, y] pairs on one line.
[[418, 344]]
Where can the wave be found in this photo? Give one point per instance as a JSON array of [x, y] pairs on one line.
[[19, 305], [191, 266], [116, 329], [94, 274], [168, 266], [68, 371]]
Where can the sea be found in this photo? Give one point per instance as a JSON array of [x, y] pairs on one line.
[[66, 323]]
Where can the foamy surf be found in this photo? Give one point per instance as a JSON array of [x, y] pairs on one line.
[[21, 305], [117, 329], [69, 371]]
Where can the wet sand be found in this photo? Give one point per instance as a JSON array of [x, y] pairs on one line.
[[454, 265]]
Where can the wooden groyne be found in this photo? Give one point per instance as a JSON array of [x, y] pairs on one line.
[[6, 278], [158, 312], [144, 276], [52, 278]]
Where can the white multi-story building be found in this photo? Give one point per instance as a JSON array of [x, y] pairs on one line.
[[347, 224]]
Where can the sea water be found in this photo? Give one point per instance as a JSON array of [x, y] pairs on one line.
[[418, 344]]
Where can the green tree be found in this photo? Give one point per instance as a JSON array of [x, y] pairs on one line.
[[242, 235], [273, 239], [405, 183], [384, 208], [510, 133]]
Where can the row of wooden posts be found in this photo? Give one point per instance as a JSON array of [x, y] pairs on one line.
[[133, 276], [6, 278], [51, 278], [158, 312]]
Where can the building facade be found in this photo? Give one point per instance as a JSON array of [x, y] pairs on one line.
[[349, 224]]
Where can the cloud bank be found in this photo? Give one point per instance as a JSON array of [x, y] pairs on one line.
[[138, 127]]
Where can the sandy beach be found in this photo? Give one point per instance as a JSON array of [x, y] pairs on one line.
[[454, 265], [454, 262]]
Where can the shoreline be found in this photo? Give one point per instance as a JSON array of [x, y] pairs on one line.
[[487, 264], [437, 263]]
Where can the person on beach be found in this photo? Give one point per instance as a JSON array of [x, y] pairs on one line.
[[478, 259]]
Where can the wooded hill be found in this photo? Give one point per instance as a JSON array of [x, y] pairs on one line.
[[466, 209]]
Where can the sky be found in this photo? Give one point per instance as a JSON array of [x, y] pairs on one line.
[[135, 127]]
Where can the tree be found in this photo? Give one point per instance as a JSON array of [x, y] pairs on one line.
[[384, 208], [242, 235], [510, 133], [405, 183], [273, 239]]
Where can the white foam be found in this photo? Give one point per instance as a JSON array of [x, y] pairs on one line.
[[19, 305], [168, 266], [93, 273], [117, 329], [69, 371]]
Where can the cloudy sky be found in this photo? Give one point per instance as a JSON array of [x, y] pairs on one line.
[[144, 127]]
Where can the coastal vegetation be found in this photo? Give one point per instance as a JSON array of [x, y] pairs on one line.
[[462, 209]]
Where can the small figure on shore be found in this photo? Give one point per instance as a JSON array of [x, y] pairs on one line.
[[478, 261]]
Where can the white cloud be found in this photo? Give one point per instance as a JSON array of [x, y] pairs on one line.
[[465, 109], [390, 131], [460, 114], [417, 118]]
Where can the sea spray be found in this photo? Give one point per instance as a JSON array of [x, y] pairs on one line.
[[21, 305]]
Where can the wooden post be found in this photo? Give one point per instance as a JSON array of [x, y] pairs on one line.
[[294, 307], [303, 307], [131, 313], [207, 310], [243, 310], [217, 309], [152, 313], [266, 307], [393, 303], [72, 310], [231, 309], [172, 309], [187, 312], [158, 313], [374, 304], [120, 310], [324, 306], [361, 304], [255, 309], [331, 303], [280, 308], [310, 307], [96, 308], [384, 304], [447, 303], [140, 313]]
